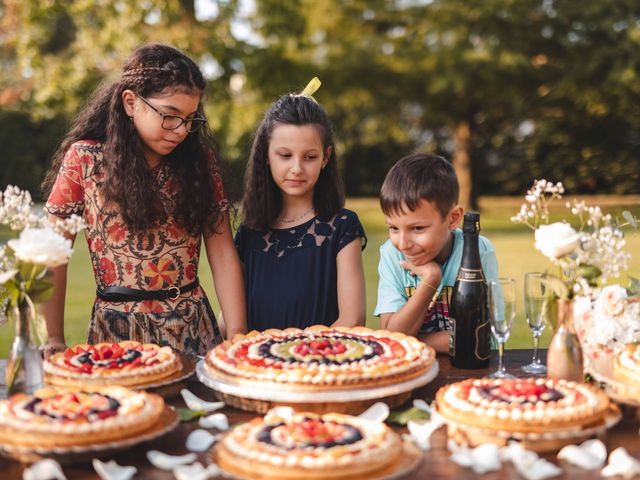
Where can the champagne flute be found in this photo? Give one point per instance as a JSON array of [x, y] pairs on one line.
[[502, 311], [534, 292]]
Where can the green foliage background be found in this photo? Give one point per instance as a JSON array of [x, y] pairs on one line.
[[508, 90]]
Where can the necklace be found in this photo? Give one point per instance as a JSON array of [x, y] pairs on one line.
[[291, 220]]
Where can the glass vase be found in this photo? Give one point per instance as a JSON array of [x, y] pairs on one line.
[[564, 356], [24, 365]]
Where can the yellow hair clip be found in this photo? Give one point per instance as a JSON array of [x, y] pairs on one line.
[[310, 89]]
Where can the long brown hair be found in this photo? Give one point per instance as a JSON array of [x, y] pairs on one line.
[[262, 200], [151, 69]]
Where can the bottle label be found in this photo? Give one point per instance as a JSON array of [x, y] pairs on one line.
[[470, 275], [483, 350], [452, 337]]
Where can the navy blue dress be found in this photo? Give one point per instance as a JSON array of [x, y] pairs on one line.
[[290, 275]]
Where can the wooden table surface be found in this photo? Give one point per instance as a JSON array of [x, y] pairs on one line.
[[435, 464]]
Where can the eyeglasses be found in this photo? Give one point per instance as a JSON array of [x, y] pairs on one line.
[[171, 122]]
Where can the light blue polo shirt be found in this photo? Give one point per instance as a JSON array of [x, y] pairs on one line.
[[396, 284]]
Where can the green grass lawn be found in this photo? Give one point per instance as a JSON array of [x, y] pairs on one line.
[[513, 243]]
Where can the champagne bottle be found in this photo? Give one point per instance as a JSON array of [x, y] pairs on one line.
[[469, 343]]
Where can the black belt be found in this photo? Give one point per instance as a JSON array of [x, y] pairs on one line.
[[124, 294]]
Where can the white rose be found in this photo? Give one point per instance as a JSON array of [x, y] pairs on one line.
[[556, 239], [612, 300], [41, 246]]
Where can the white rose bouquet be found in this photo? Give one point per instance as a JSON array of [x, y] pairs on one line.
[[611, 320], [25, 261], [584, 258]]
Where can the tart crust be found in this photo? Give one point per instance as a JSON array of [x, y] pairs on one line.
[[264, 448], [84, 417], [108, 364], [320, 357], [626, 365], [522, 405]]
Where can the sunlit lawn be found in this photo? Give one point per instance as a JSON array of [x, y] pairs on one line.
[[514, 245]]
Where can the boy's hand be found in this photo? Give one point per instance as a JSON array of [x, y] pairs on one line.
[[430, 272]]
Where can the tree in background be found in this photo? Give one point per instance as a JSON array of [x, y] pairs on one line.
[[508, 90]]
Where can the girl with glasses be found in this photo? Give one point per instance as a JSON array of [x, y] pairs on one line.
[[139, 165]]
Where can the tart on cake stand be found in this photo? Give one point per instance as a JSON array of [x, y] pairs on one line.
[[542, 414], [74, 426], [319, 369]]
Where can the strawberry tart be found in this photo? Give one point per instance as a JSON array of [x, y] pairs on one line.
[[319, 358], [126, 363], [308, 446], [522, 405], [51, 418]]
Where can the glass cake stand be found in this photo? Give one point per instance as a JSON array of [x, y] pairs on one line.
[[262, 396]]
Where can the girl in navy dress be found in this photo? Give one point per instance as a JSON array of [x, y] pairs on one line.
[[301, 249]]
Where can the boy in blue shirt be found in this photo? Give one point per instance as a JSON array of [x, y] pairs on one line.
[[420, 261]]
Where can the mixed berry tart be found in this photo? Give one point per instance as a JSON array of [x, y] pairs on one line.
[[52, 418], [626, 365], [320, 357], [308, 446], [125, 363], [522, 405]]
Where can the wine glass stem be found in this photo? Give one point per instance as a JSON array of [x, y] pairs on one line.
[[536, 342], [501, 356]]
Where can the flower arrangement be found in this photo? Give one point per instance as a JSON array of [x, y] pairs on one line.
[[25, 278], [610, 321], [585, 258]]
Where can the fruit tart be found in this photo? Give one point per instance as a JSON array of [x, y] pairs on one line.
[[52, 418], [308, 446], [319, 358], [125, 363], [522, 405]]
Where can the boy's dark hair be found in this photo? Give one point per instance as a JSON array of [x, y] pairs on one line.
[[421, 176], [262, 200], [151, 69]]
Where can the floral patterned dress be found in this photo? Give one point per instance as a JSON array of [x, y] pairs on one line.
[[158, 258]]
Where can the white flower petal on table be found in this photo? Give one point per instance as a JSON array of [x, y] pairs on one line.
[[200, 440], [112, 471], [590, 455], [217, 420], [422, 405], [378, 412], [421, 431], [196, 471], [279, 413], [195, 403], [482, 459], [169, 462], [528, 463], [538, 470], [516, 451], [621, 463], [47, 469]]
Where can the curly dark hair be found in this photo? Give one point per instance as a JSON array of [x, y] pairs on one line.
[[262, 200], [151, 69]]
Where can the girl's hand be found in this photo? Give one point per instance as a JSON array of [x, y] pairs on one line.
[[52, 346]]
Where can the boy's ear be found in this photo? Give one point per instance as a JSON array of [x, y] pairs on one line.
[[455, 217], [128, 102]]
